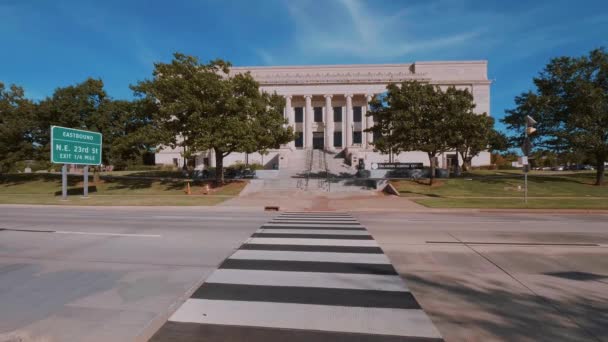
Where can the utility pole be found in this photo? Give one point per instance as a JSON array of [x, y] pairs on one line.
[[526, 150]]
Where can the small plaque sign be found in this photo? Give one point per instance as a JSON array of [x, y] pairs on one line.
[[397, 166]]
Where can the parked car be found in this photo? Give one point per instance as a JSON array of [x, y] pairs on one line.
[[581, 167], [558, 168], [248, 173]]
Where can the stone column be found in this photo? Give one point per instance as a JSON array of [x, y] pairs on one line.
[[308, 117], [369, 121], [289, 114], [349, 120], [363, 127], [329, 124]]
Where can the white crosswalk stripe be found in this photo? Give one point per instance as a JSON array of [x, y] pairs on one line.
[[312, 231], [314, 317], [319, 274], [313, 242], [311, 256], [309, 279]]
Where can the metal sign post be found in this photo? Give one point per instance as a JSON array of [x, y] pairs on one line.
[[85, 183], [527, 143], [64, 182], [75, 146], [530, 122]]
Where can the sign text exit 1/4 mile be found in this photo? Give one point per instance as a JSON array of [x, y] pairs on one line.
[[74, 146]]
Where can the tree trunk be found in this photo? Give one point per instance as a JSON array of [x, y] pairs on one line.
[[185, 155], [467, 162], [601, 168], [219, 167], [432, 160], [460, 169]]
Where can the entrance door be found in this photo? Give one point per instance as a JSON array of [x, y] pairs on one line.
[[318, 141]]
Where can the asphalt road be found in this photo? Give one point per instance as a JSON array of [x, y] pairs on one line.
[[503, 277], [108, 274], [118, 273]]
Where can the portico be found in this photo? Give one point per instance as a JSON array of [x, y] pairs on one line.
[[329, 121]]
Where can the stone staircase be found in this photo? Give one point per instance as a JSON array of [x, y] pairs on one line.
[[307, 171]]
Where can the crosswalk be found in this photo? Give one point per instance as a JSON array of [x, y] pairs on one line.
[[313, 276]]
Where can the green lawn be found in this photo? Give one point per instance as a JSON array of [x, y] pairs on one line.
[[504, 189], [148, 173], [514, 203], [507, 184], [46, 189]]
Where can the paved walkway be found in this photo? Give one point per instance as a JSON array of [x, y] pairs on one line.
[[254, 196], [313, 276]]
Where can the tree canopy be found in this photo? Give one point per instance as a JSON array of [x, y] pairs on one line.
[[414, 116], [570, 104], [16, 116], [203, 106]]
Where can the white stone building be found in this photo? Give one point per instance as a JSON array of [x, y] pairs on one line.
[[326, 105]]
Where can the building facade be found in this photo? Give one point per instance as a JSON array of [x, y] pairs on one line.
[[326, 105]]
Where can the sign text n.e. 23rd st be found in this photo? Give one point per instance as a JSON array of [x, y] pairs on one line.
[[74, 146]]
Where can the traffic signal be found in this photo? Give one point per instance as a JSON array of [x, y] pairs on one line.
[[529, 125]]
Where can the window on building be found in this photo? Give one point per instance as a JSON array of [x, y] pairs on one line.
[[299, 113], [174, 161], [357, 116], [357, 137], [337, 139], [299, 142], [337, 114], [318, 114]]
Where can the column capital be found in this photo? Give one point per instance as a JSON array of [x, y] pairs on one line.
[[328, 96], [289, 97], [307, 96], [369, 96], [348, 95]]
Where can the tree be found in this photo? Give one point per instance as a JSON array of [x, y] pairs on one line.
[[79, 106], [499, 142], [470, 133], [127, 127], [414, 116], [570, 105], [131, 131], [205, 107], [15, 123]]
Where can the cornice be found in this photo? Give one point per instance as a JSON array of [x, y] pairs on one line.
[[461, 82], [283, 78]]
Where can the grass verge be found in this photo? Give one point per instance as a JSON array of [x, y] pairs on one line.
[[113, 200], [46, 189], [484, 184], [514, 203]]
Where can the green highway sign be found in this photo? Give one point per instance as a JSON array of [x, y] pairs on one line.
[[75, 146]]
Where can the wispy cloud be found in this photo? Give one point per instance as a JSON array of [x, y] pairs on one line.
[[354, 28], [265, 56], [363, 31]]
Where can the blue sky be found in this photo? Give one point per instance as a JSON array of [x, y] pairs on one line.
[[46, 44]]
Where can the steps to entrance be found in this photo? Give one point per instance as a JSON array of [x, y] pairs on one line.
[[315, 171]]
